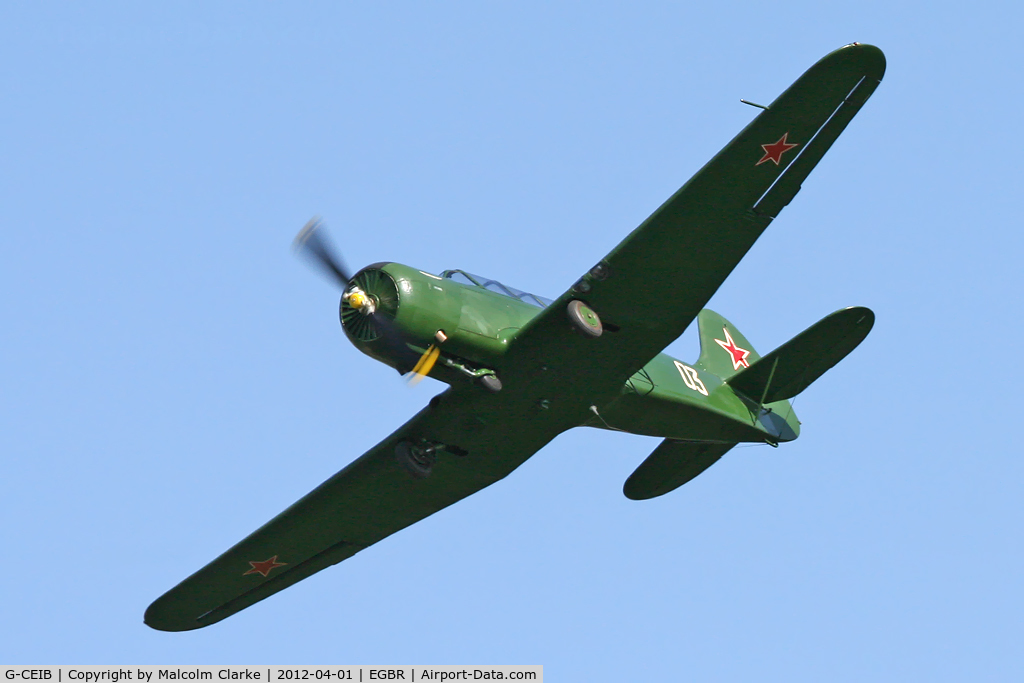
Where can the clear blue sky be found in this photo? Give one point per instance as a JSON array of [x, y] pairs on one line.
[[171, 376]]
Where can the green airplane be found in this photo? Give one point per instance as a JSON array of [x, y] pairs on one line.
[[522, 369]]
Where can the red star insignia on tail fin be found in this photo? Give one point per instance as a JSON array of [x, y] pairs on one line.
[[739, 356], [774, 151], [264, 567]]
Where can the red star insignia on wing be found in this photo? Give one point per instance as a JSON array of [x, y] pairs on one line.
[[774, 151], [739, 356], [264, 567]]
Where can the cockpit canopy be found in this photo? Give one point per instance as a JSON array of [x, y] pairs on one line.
[[462, 277]]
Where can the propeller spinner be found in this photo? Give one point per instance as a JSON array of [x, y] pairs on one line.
[[366, 301]]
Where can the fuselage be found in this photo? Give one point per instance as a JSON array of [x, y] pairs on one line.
[[478, 319]]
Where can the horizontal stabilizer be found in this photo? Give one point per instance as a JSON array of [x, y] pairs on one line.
[[672, 464], [791, 368]]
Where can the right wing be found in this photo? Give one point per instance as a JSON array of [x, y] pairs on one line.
[[653, 284], [365, 502]]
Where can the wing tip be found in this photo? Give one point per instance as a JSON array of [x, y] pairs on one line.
[[634, 490], [869, 57], [864, 316], [161, 617]]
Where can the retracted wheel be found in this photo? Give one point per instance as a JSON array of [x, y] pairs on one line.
[[417, 460], [490, 383], [584, 319]]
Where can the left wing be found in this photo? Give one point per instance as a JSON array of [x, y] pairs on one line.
[[365, 502], [653, 284]]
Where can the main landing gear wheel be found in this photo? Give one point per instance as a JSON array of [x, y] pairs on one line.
[[490, 383], [584, 319], [417, 460]]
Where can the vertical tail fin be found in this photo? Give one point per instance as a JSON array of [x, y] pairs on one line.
[[724, 350]]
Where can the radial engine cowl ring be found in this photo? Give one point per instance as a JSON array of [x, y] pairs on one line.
[[383, 292]]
